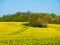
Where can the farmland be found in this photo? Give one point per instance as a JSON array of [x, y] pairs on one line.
[[14, 33]]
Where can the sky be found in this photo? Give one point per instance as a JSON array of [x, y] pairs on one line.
[[45, 6]]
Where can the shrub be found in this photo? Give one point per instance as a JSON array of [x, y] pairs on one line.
[[37, 23]]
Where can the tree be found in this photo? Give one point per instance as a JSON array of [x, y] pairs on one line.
[[49, 19]]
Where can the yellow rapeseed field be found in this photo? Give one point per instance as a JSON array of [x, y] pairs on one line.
[[7, 28], [17, 29]]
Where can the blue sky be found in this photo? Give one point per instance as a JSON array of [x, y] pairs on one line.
[[12, 6]]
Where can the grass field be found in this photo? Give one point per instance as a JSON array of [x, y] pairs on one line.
[[14, 33]]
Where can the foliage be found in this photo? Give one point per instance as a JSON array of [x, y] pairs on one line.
[[27, 16], [37, 23]]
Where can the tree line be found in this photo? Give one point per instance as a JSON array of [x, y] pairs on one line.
[[29, 16]]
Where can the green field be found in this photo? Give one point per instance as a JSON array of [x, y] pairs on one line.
[[15, 33]]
